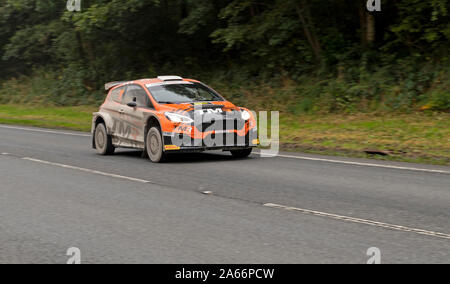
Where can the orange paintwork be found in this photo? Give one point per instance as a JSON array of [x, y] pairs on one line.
[[167, 126]]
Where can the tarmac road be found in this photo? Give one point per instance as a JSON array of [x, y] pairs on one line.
[[57, 193]]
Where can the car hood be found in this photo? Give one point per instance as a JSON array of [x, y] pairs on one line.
[[208, 110]]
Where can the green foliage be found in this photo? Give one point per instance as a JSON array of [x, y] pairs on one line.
[[44, 88], [440, 99], [300, 56], [423, 23]]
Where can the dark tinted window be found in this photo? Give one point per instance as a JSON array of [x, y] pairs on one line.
[[116, 94], [183, 93], [136, 94]]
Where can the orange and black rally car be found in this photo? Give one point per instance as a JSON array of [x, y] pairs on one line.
[[170, 114]]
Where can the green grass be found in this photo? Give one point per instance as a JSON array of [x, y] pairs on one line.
[[417, 137], [73, 118]]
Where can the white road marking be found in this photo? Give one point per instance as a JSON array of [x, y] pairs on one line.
[[363, 164], [45, 131], [361, 221], [281, 156], [86, 170]]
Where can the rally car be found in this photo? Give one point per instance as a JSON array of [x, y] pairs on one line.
[[170, 114]]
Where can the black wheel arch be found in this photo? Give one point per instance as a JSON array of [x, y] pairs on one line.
[[152, 121], [98, 120]]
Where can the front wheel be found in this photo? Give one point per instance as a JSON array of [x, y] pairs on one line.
[[241, 153], [103, 141], [154, 145]]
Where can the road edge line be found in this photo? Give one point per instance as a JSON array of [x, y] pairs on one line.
[[359, 221], [85, 170]]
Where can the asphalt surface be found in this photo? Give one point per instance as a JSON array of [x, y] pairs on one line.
[[57, 193]]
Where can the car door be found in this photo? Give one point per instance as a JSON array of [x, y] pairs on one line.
[[114, 108], [134, 116]]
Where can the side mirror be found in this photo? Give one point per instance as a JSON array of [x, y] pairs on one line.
[[132, 104]]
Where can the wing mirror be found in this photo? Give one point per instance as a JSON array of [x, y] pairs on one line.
[[132, 104]]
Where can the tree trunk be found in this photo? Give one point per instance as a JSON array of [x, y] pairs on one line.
[[367, 24], [371, 30], [363, 21], [304, 15], [81, 51]]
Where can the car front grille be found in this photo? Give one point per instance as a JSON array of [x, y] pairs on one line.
[[235, 124], [226, 140]]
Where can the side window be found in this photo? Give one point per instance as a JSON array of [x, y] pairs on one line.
[[137, 94], [116, 94]]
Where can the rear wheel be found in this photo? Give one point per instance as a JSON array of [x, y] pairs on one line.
[[241, 153], [154, 145], [103, 141]]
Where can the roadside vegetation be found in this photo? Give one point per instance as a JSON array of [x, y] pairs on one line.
[[72, 118], [344, 79], [414, 137]]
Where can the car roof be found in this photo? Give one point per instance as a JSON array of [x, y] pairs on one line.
[[158, 80]]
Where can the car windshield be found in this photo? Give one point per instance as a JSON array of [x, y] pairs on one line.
[[182, 93]]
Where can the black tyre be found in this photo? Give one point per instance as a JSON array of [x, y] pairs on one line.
[[154, 145], [103, 141], [241, 153]]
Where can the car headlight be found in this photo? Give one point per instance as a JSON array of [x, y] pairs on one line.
[[178, 118], [245, 115]]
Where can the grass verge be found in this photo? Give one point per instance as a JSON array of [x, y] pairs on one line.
[[416, 137], [73, 118]]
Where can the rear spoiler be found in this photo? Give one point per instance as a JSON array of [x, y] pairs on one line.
[[109, 86]]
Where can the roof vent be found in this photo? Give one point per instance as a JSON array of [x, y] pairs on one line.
[[170, 78]]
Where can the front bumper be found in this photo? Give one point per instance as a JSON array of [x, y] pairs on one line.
[[224, 141]]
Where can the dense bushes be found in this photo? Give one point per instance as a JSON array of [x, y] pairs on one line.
[[298, 56], [392, 88]]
